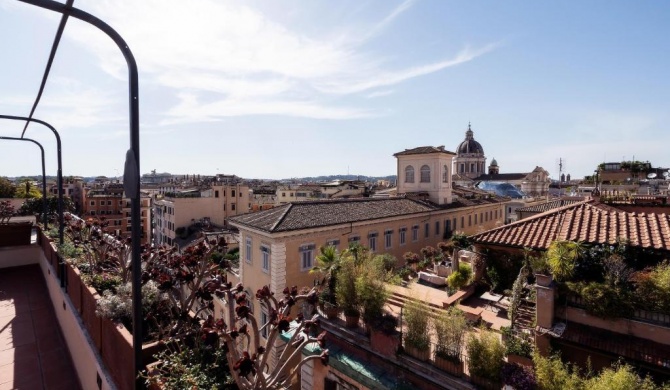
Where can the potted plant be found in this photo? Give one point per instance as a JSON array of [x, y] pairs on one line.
[[450, 328], [328, 263], [371, 290], [518, 349], [384, 335], [347, 295], [485, 359], [518, 377], [541, 270], [13, 233], [412, 260], [417, 339]]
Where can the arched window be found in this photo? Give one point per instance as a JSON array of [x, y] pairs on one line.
[[445, 175], [425, 174], [409, 174]]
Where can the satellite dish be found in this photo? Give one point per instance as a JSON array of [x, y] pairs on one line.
[[651, 175]]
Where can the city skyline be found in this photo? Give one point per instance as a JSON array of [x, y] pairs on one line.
[[307, 89]]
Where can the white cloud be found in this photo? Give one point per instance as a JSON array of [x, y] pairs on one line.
[[377, 94], [258, 65]]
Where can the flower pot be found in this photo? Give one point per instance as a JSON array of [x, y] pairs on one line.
[[543, 280], [331, 312], [15, 233], [520, 360], [448, 365], [384, 343], [351, 321], [419, 354], [485, 384]]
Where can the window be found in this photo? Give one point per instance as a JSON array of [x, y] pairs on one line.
[[470, 220], [462, 222], [232, 207], [306, 257], [232, 193], [372, 241], [283, 194], [475, 219], [216, 194], [354, 238], [334, 242], [388, 236], [409, 174], [402, 232], [426, 230], [415, 233], [247, 250], [462, 170], [445, 174], [437, 228], [92, 212], [92, 203], [425, 174], [453, 222], [472, 167], [265, 257], [109, 203]]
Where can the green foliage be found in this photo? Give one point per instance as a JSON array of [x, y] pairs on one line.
[[485, 355], [371, 290], [7, 189], [539, 264], [516, 345], [68, 250], [345, 289], [562, 257], [461, 240], [515, 299], [386, 261], [192, 367], [102, 282], [653, 288], [603, 300], [27, 190], [619, 377], [416, 317], [552, 374], [33, 206], [450, 328], [460, 278]]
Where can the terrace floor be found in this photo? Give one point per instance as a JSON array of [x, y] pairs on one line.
[[33, 354]]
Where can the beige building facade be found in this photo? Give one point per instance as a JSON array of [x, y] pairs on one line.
[[179, 210]]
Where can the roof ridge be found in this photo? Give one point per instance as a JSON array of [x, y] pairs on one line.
[[284, 214]]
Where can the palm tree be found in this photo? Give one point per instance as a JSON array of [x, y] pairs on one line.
[[328, 264], [562, 257]]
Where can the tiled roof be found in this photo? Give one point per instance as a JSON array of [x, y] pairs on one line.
[[424, 150], [306, 215], [627, 346], [586, 222], [540, 208]]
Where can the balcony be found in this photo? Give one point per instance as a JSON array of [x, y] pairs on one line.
[[43, 341]]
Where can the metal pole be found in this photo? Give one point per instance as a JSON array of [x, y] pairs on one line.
[[131, 177], [59, 173], [44, 176]]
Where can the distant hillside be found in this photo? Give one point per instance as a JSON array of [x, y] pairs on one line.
[[391, 178]]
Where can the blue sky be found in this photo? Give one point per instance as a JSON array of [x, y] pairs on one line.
[[300, 88]]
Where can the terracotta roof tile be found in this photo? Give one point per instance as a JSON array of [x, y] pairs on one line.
[[584, 221], [540, 208], [424, 150]]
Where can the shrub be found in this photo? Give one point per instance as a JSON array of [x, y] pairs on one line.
[[461, 277], [562, 257], [119, 306], [552, 374], [450, 328], [345, 289], [68, 250], [416, 317], [485, 356], [102, 282], [371, 290]]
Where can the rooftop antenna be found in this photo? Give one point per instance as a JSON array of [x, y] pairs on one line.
[[561, 163]]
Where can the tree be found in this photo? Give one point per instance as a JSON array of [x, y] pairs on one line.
[[26, 190], [33, 206], [562, 257], [7, 189]]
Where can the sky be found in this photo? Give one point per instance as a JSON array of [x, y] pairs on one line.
[[294, 88]]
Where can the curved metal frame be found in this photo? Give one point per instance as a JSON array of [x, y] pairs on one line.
[[44, 177], [59, 173], [131, 177]]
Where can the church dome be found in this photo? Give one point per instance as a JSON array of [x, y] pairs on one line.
[[469, 145], [494, 163]]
